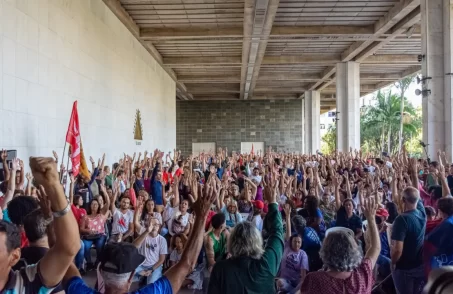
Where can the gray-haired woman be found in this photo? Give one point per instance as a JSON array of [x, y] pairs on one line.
[[345, 269], [251, 269]]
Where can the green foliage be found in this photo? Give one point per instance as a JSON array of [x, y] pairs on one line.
[[329, 140], [380, 124]]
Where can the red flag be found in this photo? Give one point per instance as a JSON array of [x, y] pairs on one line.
[[73, 138]]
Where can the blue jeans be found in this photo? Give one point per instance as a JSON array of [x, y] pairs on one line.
[[409, 281], [384, 268], [78, 260], [156, 275], [98, 243]]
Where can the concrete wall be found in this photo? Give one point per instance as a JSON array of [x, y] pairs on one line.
[[53, 52], [228, 123]]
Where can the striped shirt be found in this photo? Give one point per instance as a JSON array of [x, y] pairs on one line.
[[27, 280]]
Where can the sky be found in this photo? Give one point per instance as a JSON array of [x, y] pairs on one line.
[[410, 94]]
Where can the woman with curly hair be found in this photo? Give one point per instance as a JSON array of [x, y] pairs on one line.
[[345, 269]]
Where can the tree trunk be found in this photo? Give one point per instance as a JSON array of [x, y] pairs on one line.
[[400, 144], [383, 138], [389, 140]]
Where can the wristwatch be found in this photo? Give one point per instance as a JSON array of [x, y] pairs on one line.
[[61, 213]]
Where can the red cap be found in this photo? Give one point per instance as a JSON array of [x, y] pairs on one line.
[[382, 212], [258, 204]]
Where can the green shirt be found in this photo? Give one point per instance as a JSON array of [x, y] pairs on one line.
[[219, 246], [109, 180], [247, 275]]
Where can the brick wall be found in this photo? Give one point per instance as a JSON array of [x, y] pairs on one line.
[[228, 123]]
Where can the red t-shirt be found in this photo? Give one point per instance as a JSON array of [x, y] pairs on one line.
[[178, 172], [168, 177], [78, 213], [23, 240], [360, 281], [208, 219]]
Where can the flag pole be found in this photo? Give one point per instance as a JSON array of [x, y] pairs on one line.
[[66, 142], [62, 160]]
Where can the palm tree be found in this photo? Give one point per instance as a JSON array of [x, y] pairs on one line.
[[386, 115], [402, 85]]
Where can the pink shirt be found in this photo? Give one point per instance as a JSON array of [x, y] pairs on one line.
[[360, 281], [96, 223], [427, 200]]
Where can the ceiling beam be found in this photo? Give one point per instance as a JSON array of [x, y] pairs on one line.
[[129, 23], [302, 59], [270, 12], [385, 23], [234, 32], [249, 13], [408, 21], [392, 58], [320, 59]]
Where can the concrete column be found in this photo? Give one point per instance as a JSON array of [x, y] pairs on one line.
[[312, 112], [348, 106], [303, 149], [437, 66]]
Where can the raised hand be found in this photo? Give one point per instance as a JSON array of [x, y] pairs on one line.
[[4, 154], [287, 209], [369, 208], [91, 160], [44, 202], [55, 155], [15, 164], [29, 177], [204, 201], [44, 170]]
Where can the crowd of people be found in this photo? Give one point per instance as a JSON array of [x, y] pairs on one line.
[[229, 223]]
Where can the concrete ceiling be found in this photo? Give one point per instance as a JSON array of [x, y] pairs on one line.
[[275, 49]]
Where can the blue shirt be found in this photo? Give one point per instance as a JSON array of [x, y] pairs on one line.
[[409, 227], [310, 240], [77, 286], [156, 187], [385, 248], [6, 216], [441, 237]]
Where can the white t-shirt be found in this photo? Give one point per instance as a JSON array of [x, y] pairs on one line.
[[257, 220], [152, 248], [256, 178], [121, 221], [169, 215]]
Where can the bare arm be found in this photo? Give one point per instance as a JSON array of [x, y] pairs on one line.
[[442, 178], [105, 209], [139, 241], [129, 231], [137, 216], [28, 188], [288, 221], [209, 246], [373, 252], [55, 263], [177, 274], [21, 179], [337, 193], [348, 186], [11, 185], [6, 172], [71, 189]]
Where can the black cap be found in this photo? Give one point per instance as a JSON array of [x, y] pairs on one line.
[[120, 258]]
